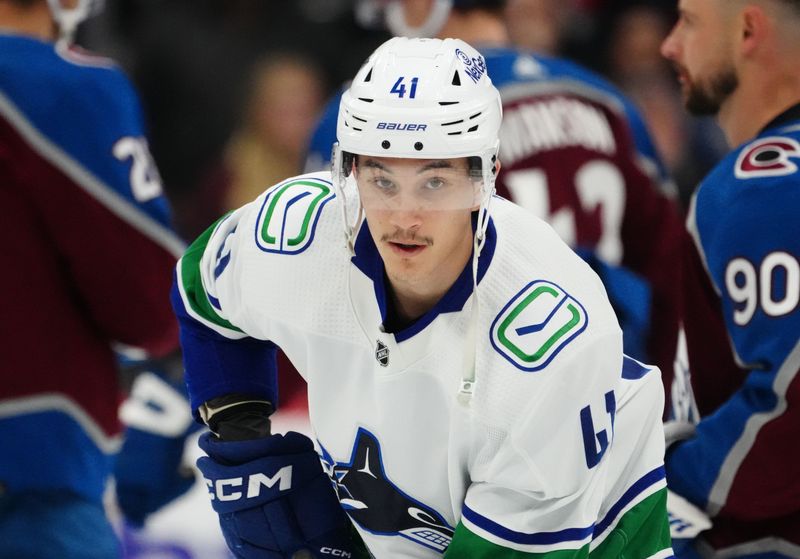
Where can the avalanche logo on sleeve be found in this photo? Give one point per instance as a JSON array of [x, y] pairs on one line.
[[288, 217], [536, 324], [768, 157]]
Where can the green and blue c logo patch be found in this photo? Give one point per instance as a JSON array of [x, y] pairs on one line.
[[536, 324], [288, 217]]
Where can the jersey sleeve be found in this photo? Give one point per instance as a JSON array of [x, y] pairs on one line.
[[115, 250], [581, 474], [739, 464], [219, 357]]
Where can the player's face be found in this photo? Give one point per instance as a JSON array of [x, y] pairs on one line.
[[419, 215], [699, 48]]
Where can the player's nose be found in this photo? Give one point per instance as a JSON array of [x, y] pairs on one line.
[[406, 219], [669, 46]]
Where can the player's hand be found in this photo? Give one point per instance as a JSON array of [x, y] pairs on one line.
[[273, 498], [149, 472]]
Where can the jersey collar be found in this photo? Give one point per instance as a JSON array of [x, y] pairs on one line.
[[790, 115], [368, 260]]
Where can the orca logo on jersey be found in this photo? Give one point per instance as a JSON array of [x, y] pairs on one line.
[[378, 505], [536, 324], [768, 157], [288, 216]]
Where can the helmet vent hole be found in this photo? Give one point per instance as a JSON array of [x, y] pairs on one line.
[[454, 133], [365, 99], [473, 129], [386, 144], [456, 78], [454, 122], [368, 77], [418, 146], [446, 103], [476, 115]]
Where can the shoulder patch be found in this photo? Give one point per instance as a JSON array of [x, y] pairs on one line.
[[288, 217], [768, 157], [536, 324]]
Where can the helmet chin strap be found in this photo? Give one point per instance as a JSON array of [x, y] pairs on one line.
[[340, 180], [469, 378], [396, 20]]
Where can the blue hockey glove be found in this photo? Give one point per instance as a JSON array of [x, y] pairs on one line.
[[273, 498], [149, 471]]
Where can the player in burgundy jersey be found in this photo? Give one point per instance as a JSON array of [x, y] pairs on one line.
[[88, 263]]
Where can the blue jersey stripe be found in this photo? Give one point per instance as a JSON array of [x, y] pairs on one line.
[[639, 487], [632, 369], [539, 538], [567, 535]]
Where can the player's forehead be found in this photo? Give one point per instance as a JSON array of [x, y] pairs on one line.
[[704, 8], [398, 165]]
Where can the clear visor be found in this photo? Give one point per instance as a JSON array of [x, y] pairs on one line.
[[435, 185]]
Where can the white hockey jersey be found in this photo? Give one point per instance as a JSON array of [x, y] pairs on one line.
[[557, 453]]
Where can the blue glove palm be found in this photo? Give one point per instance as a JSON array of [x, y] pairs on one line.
[[273, 498]]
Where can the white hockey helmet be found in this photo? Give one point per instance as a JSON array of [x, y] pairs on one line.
[[68, 19], [420, 99]]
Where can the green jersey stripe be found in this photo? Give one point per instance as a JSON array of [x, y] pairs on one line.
[[190, 281], [643, 531]]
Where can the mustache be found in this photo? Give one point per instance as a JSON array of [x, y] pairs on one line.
[[679, 69], [406, 238]]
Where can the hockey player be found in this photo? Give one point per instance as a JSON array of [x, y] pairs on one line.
[[576, 153], [87, 261], [467, 387], [738, 60]]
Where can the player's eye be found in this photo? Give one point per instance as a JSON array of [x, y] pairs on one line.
[[384, 184], [435, 183]]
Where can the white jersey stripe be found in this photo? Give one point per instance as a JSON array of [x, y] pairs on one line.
[[53, 401], [730, 466], [125, 210]]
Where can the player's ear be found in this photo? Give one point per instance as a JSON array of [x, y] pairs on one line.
[[754, 27]]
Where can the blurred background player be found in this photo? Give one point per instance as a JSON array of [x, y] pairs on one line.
[[285, 95], [741, 351], [577, 154], [89, 258]]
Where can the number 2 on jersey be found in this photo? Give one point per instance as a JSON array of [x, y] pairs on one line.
[[144, 177]]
